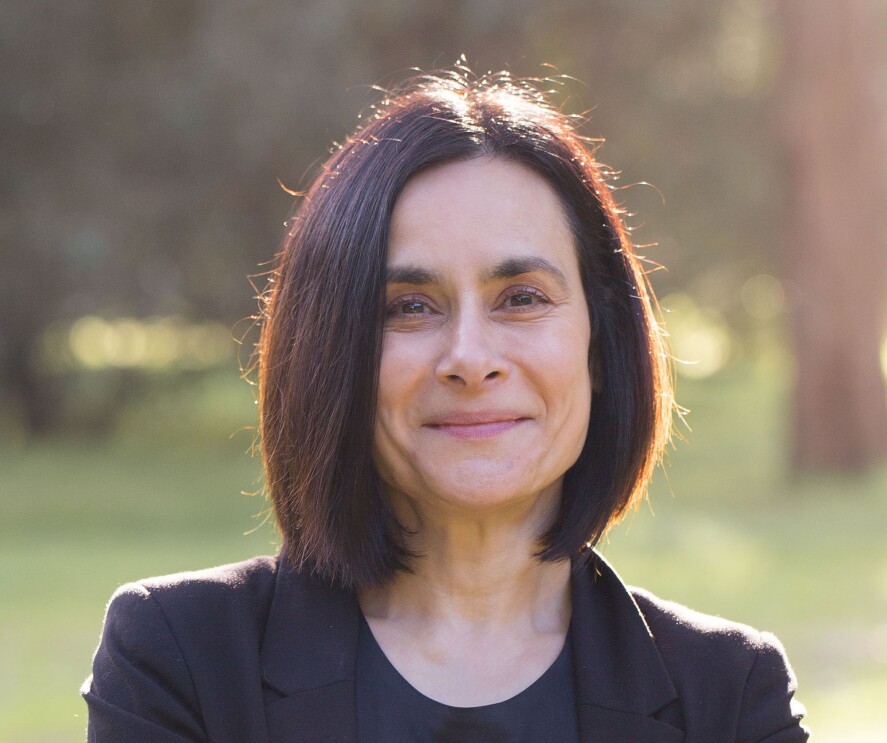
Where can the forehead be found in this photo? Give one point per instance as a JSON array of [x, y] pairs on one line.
[[478, 212]]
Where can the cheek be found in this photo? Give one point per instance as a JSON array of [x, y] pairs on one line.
[[562, 367], [401, 371], [564, 352], [387, 454]]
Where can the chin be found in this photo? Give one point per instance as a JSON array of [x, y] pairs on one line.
[[485, 488], [480, 498]]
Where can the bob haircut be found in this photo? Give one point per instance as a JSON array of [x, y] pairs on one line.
[[323, 314]]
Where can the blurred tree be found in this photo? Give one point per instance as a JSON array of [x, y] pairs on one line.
[[832, 133], [142, 141]]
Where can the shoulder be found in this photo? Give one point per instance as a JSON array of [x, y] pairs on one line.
[[708, 657], [677, 627], [176, 649], [243, 583], [709, 645], [198, 606]]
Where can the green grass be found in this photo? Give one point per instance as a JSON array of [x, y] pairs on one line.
[[731, 535]]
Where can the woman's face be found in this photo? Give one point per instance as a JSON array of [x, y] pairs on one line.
[[484, 387]]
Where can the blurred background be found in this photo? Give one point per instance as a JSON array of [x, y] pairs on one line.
[[141, 147]]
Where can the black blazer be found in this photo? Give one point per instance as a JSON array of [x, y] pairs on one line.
[[255, 653]]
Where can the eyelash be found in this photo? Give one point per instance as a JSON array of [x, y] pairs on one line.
[[393, 307], [518, 290]]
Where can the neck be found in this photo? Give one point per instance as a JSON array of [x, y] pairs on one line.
[[477, 569]]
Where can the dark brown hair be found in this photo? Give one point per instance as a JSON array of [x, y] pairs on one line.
[[322, 327]]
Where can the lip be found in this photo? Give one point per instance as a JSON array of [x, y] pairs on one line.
[[476, 425]]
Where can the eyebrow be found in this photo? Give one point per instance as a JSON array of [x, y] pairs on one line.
[[507, 269], [413, 275], [513, 267]]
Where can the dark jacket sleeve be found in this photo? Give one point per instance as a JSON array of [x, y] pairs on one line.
[[769, 713], [140, 690]]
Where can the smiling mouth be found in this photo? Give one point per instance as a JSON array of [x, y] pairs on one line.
[[469, 427]]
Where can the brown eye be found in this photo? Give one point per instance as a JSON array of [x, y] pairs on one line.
[[408, 307], [524, 298], [521, 300]]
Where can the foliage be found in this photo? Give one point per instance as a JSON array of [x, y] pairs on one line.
[[142, 142]]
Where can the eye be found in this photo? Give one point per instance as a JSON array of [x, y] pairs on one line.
[[407, 307], [524, 298]]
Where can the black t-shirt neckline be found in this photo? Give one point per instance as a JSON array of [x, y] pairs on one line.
[[390, 709]]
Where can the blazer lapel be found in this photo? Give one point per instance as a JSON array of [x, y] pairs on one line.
[[621, 681], [308, 661], [309, 657]]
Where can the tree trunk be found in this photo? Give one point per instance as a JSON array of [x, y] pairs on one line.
[[831, 131]]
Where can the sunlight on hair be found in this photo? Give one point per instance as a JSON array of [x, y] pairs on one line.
[[699, 337]]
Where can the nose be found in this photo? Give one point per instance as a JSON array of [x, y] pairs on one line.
[[471, 356]]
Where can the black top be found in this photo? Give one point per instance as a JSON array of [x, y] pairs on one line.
[[390, 709], [258, 652]]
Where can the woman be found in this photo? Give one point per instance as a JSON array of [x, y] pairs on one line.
[[462, 386]]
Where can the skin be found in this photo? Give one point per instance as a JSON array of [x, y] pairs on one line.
[[484, 398]]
